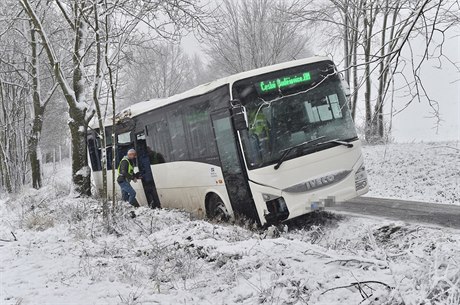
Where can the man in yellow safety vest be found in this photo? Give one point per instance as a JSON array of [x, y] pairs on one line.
[[125, 175]]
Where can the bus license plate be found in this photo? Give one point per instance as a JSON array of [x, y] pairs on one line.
[[317, 205]]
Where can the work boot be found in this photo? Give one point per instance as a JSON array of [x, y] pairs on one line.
[[135, 203]]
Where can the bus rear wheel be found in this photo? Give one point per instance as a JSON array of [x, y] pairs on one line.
[[216, 209]]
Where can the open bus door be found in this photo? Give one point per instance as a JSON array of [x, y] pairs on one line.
[[233, 169], [127, 139], [144, 165]]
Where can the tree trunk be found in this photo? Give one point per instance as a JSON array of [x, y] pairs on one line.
[[37, 124], [112, 94], [81, 173], [354, 51], [346, 44], [367, 76], [370, 14], [377, 121], [387, 78], [75, 98], [100, 118], [4, 143], [35, 165]]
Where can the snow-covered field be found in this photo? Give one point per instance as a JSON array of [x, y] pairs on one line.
[[428, 172], [62, 254]]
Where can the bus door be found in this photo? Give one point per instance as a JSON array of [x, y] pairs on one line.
[[144, 165], [233, 170]]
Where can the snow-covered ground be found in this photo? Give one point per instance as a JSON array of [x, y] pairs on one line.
[[428, 172], [61, 254]]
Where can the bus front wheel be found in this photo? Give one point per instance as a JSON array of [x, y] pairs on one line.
[[216, 209]]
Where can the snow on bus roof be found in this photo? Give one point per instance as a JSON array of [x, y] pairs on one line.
[[146, 106]]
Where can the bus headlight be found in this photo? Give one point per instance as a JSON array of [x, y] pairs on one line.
[[360, 178], [277, 208]]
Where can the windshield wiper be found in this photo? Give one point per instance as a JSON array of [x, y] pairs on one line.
[[288, 150], [336, 141]]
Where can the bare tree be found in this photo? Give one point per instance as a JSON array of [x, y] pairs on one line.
[[39, 105], [14, 117], [375, 37], [74, 90], [253, 34], [164, 18], [157, 71], [84, 51], [201, 72], [20, 66]]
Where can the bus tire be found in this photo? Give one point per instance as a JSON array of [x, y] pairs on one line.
[[216, 209]]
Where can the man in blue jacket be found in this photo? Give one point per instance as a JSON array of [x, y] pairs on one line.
[[125, 175]]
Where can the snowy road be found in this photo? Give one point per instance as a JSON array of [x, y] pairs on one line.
[[410, 211]]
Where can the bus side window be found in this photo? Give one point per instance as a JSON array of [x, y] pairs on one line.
[[158, 142], [198, 126], [179, 150], [124, 143]]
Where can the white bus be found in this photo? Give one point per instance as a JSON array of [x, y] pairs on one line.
[[272, 144]]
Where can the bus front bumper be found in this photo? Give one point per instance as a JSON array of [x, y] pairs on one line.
[[275, 206]]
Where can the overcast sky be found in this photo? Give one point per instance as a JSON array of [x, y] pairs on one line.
[[414, 124], [444, 85]]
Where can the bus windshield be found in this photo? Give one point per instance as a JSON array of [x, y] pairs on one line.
[[290, 107]]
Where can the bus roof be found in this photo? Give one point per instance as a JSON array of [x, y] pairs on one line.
[[146, 106]]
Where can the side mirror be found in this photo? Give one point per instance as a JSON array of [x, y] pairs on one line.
[[239, 115]]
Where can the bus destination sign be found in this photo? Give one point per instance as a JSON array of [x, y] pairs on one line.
[[287, 81]]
